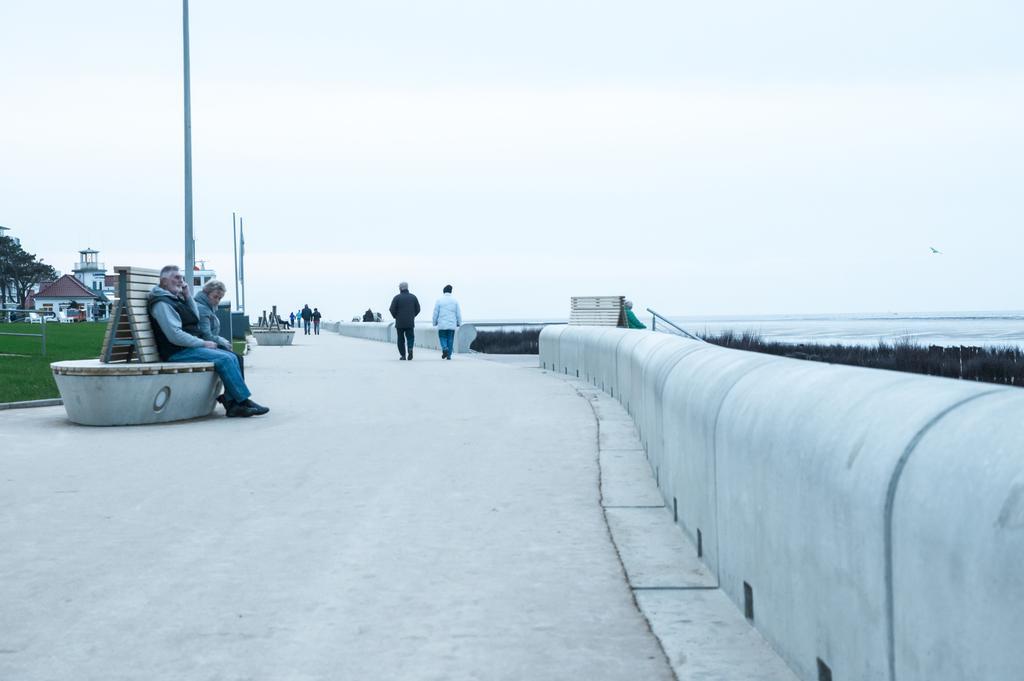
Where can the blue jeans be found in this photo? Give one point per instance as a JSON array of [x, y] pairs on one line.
[[305, 326], [447, 339], [224, 363], [403, 335]]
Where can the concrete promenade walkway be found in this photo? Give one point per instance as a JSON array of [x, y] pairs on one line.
[[387, 520]]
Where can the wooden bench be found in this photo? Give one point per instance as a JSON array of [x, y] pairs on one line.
[[128, 384], [598, 311]]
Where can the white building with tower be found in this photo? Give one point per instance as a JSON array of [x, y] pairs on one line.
[[90, 271], [89, 290]]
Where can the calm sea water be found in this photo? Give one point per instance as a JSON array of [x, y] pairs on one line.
[[932, 328]]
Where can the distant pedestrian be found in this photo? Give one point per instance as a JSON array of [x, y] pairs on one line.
[[631, 321], [307, 317], [316, 321], [447, 318], [404, 308], [291, 319], [368, 315]]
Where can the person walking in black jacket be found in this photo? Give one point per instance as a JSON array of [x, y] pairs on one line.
[[404, 308], [316, 321], [307, 317]]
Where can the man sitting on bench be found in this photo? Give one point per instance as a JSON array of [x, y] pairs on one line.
[[176, 330]]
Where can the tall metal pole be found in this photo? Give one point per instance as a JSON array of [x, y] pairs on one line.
[[190, 245], [241, 257], [234, 245]]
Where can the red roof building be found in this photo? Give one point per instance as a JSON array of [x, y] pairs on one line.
[[58, 295], [66, 287]]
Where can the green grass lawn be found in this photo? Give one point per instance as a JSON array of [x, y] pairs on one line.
[[25, 372]]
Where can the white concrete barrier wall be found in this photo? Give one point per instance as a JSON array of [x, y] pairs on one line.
[[958, 522], [425, 336], [690, 401], [873, 520], [368, 330]]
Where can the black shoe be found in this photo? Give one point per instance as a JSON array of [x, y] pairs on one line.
[[238, 410], [449, 356], [410, 354], [402, 357], [258, 409]]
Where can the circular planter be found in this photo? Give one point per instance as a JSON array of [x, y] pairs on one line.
[[273, 337]]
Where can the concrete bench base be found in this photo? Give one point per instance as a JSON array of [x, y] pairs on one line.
[[97, 394], [273, 337]]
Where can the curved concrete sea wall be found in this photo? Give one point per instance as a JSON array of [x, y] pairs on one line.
[[426, 335], [870, 522]]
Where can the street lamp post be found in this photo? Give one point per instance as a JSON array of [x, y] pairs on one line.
[[241, 257], [190, 245], [234, 245]]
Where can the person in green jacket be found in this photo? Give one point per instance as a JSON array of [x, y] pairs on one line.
[[631, 321]]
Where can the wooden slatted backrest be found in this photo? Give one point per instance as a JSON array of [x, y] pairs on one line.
[[598, 311], [129, 336]]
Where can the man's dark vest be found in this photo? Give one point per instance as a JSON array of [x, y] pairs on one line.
[[189, 324]]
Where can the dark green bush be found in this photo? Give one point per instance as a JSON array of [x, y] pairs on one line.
[[522, 342], [990, 365]]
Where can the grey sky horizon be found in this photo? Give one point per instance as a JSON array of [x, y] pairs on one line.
[[740, 158]]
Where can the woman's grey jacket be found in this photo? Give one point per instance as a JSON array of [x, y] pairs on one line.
[[209, 325]]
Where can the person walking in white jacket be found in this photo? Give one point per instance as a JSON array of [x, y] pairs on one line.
[[447, 318]]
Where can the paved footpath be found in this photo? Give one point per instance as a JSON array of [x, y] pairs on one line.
[[387, 520]]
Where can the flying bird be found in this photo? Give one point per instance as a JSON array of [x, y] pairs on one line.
[[935, 250]]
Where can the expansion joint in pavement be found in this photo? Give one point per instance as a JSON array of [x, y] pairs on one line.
[[693, 587], [650, 506]]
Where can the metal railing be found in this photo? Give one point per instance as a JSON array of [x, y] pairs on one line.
[[675, 327], [42, 325]]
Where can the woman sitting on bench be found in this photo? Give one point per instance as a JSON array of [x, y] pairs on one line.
[[178, 339], [207, 302]]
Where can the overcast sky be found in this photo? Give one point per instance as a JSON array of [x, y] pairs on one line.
[[700, 158]]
